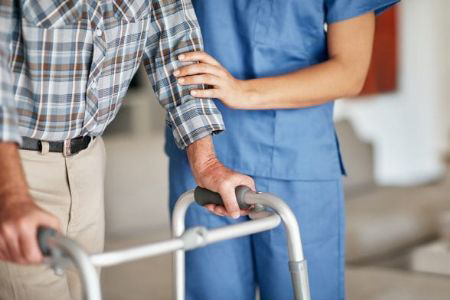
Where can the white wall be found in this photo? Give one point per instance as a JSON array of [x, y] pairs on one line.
[[136, 184], [410, 128]]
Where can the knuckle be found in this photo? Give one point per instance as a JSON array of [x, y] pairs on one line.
[[225, 185], [23, 224], [33, 258], [7, 229], [192, 69], [223, 73]]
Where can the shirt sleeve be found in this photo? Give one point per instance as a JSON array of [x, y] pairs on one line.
[[176, 31], [340, 10], [9, 130]]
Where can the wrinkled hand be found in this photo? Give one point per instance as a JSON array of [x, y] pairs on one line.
[[231, 91], [217, 178], [19, 222]]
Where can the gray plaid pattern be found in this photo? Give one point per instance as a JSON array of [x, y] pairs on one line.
[[72, 62]]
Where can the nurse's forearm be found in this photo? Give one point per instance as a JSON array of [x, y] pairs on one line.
[[308, 87], [350, 45]]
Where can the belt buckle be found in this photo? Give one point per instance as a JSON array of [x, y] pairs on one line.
[[67, 149]]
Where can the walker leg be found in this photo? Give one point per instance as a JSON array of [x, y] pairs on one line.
[[178, 265], [299, 275]]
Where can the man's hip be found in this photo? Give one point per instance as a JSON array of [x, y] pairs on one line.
[[71, 188]]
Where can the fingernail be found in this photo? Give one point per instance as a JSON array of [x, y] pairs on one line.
[[181, 57], [193, 93], [235, 215], [176, 73], [181, 80]]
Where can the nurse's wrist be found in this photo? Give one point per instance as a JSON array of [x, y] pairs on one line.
[[252, 95], [246, 95]]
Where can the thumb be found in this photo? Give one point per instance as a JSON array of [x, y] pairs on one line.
[[230, 202]]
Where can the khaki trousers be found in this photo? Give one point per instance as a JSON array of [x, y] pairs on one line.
[[71, 188]]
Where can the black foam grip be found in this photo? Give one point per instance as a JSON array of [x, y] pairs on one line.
[[203, 196], [43, 234]]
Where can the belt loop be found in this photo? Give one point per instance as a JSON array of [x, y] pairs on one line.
[[45, 147], [67, 151]]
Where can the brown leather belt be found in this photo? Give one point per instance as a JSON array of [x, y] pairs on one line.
[[67, 147]]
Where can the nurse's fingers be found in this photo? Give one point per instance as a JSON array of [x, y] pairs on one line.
[[210, 93], [200, 79], [199, 56], [200, 68]]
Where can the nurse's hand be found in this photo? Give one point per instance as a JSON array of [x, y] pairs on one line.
[[211, 174], [208, 71]]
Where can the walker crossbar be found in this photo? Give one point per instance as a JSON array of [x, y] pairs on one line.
[[63, 251]]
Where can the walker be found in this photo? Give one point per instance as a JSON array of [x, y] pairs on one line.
[[61, 252]]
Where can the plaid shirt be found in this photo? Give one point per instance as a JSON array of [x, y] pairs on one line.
[[72, 62]]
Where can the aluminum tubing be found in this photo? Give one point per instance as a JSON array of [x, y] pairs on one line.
[[119, 257], [178, 227], [88, 275], [243, 229]]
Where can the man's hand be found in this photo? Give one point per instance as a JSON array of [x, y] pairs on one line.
[[19, 222], [209, 173], [20, 217]]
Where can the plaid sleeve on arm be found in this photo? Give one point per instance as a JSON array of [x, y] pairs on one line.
[[9, 131], [175, 31]]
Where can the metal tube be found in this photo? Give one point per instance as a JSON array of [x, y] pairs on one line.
[[88, 275], [178, 227], [243, 229], [295, 248], [300, 282], [297, 262], [123, 256]]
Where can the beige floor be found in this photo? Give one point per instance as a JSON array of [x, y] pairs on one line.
[[146, 279], [151, 279]]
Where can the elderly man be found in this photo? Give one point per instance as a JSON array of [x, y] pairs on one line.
[[65, 68]]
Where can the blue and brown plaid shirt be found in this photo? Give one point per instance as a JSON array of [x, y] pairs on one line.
[[71, 63]]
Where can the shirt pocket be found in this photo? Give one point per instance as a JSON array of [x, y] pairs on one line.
[[52, 13], [287, 24], [131, 11]]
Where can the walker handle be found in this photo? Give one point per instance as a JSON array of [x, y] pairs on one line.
[[43, 234], [203, 196]]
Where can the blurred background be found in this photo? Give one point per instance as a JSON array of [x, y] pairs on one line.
[[396, 144]]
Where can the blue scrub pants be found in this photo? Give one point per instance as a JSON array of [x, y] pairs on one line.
[[230, 270]]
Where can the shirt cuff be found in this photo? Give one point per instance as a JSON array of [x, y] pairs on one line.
[[8, 128], [194, 120]]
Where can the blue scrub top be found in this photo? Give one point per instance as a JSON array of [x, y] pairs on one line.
[[260, 38]]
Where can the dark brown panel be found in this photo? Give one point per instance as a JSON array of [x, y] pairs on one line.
[[382, 75]]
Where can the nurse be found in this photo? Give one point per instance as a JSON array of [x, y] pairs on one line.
[[275, 67]]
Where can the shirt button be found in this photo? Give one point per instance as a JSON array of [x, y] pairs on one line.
[[98, 32]]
